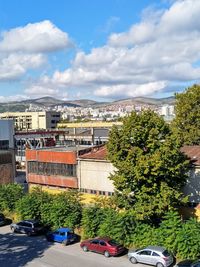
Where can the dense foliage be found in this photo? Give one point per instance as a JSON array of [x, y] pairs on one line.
[[187, 121], [181, 238], [9, 194], [150, 167], [63, 209]]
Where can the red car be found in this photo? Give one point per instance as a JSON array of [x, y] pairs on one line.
[[103, 245]]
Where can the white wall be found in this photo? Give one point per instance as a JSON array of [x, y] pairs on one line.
[[94, 175]]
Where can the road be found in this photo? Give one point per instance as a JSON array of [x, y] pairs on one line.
[[17, 250]]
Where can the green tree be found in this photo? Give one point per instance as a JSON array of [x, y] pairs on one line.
[[9, 195], [92, 218], [65, 209], [188, 240], [150, 169], [187, 121], [30, 205]]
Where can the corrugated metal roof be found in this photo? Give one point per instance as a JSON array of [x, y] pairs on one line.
[[97, 153], [100, 153]]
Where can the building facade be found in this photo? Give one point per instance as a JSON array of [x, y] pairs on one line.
[[53, 167], [7, 152], [33, 120], [93, 172]]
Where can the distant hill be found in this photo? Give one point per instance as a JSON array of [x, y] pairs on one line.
[[52, 102]]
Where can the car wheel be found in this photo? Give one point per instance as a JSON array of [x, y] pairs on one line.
[[28, 233], [106, 254], [13, 229], [85, 248], [65, 242], [159, 264], [133, 260]]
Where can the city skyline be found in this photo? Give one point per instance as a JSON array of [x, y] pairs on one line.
[[100, 50]]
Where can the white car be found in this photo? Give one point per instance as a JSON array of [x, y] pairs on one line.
[[153, 255]]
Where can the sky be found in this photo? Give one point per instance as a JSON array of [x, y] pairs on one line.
[[102, 50]]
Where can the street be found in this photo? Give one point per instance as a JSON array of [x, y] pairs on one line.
[[18, 250]]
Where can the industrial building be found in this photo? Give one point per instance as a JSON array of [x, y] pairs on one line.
[[53, 167]]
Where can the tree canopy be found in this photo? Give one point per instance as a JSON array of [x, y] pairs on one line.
[[150, 169], [187, 121]]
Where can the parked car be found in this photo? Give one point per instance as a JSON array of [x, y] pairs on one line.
[[2, 219], [29, 227], [188, 263], [62, 235], [152, 255], [103, 245]]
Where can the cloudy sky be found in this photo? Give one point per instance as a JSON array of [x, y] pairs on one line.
[[102, 49]]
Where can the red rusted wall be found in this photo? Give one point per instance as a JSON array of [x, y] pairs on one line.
[[71, 182], [67, 157]]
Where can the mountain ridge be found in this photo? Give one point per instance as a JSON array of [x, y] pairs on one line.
[[52, 102]]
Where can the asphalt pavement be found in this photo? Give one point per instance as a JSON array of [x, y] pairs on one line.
[[17, 250]]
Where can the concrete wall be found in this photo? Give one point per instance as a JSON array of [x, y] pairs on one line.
[[192, 188], [94, 175], [67, 182]]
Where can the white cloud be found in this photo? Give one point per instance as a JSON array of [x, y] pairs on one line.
[[15, 65], [161, 49], [25, 48], [12, 98], [37, 37]]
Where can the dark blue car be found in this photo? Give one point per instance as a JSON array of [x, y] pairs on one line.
[[62, 235]]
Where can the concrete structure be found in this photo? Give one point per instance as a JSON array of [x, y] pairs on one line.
[[33, 120], [7, 152], [93, 172], [90, 124], [54, 167]]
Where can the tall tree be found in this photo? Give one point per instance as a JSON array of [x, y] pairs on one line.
[[150, 169], [187, 121]]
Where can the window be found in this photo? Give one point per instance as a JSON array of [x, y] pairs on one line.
[[47, 168], [155, 254], [62, 233], [95, 242], [145, 252], [102, 243]]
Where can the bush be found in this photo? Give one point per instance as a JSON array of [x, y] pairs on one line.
[[92, 218], [188, 240], [9, 195], [64, 210]]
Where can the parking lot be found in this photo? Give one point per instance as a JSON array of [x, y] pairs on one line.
[[18, 250]]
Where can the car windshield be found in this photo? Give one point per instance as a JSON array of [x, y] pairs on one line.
[[37, 224], [113, 243], [166, 253]]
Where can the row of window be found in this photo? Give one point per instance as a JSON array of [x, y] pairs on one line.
[[96, 192], [47, 168]]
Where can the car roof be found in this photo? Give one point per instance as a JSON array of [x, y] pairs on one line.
[[104, 238], [30, 221], [156, 248], [64, 229]]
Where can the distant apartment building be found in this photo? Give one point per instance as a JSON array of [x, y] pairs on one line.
[[7, 152], [33, 120]]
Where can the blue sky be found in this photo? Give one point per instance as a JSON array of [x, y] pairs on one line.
[[101, 49]]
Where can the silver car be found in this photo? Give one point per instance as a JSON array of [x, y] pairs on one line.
[[153, 255]]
